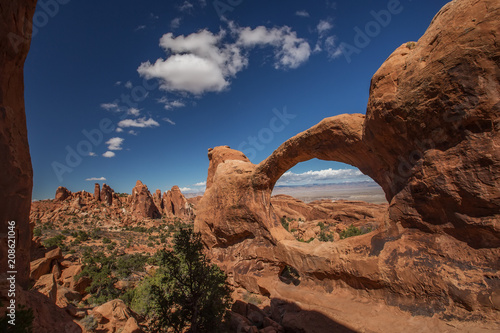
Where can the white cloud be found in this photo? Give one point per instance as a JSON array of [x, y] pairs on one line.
[[109, 106], [302, 13], [168, 105], [128, 85], [204, 62], [290, 51], [200, 184], [168, 120], [185, 189], [323, 176], [95, 179], [92, 154], [115, 143], [119, 130], [132, 132], [109, 154], [332, 49], [186, 6], [134, 112], [175, 23], [117, 83], [140, 122], [324, 26]]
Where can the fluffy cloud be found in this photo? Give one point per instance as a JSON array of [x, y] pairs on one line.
[[95, 179], [92, 154], [325, 42], [302, 13], [115, 143], [201, 184], [185, 189], [119, 130], [109, 154], [140, 122], [290, 51], [128, 85], [132, 132], [205, 62], [322, 177]]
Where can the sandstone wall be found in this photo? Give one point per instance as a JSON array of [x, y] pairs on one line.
[[16, 175]]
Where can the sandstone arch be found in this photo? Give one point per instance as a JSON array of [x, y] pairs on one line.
[[430, 139]]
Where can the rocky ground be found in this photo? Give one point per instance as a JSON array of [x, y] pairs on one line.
[[122, 225]]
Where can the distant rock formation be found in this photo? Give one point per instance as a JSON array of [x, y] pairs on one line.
[[175, 204], [430, 140], [97, 192], [157, 200], [62, 193], [106, 195], [141, 202]]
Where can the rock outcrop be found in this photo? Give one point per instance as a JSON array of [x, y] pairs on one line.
[[97, 192], [430, 140], [175, 204], [141, 202], [106, 195], [16, 177], [62, 193]]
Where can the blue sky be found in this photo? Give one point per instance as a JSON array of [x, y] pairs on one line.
[[127, 90]]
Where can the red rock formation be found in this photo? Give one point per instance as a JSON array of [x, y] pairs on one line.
[[106, 194], [62, 194], [175, 204], [157, 200], [97, 192], [430, 139], [16, 176], [141, 202]]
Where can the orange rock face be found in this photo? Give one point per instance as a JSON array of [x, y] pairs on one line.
[[141, 202], [430, 140], [175, 204], [97, 192], [16, 176]]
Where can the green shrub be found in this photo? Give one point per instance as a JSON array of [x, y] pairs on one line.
[[99, 268], [37, 232], [185, 291], [285, 223], [55, 241], [129, 264], [353, 231], [324, 237], [106, 240]]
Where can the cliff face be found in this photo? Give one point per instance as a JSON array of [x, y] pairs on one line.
[[430, 139], [433, 119], [16, 176]]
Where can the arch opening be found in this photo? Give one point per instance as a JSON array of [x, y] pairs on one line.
[[327, 201]]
